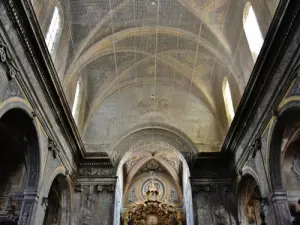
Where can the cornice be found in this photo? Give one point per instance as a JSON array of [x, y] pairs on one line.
[[267, 85], [31, 37]]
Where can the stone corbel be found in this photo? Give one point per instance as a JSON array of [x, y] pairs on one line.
[[52, 146], [34, 114], [4, 58], [67, 173], [256, 146], [105, 187], [45, 203]]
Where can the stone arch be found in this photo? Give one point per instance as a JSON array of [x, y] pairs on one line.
[[17, 115], [289, 114], [249, 190], [64, 185], [166, 133], [284, 158], [160, 132]]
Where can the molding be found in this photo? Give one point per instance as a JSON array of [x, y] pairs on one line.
[[96, 172], [96, 163], [257, 105], [171, 135], [34, 45]]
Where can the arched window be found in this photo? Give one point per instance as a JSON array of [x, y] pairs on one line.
[[54, 30], [228, 100], [252, 31], [77, 101]]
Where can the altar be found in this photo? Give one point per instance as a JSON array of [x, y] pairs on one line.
[[153, 211]]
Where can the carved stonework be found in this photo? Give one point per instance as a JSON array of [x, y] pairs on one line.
[[13, 90], [4, 58], [296, 166], [171, 138], [52, 146], [106, 187], [256, 146], [45, 202], [96, 172], [152, 165], [152, 104]]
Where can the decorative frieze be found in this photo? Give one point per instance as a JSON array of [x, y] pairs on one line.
[[95, 172], [188, 149], [105, 187]]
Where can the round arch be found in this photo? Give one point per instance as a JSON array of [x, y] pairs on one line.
[[16, 103], [162, 132], [64, 185], [17, 114], [287, 116], [249, 199]]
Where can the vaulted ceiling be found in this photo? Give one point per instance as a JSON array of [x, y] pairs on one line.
[[153, 61]]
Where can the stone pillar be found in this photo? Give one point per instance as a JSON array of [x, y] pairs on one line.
[[93, 201], [29, 205], [282, 213]]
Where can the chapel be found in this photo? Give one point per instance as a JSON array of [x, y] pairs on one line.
[[150, 112]]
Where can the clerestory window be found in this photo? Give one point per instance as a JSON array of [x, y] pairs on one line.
[[252, 31], [76, 102], [228, 100], [53, 32]]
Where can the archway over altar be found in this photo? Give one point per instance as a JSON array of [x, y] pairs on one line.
[[153, 162]]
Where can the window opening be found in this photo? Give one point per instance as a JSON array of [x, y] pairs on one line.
[[53, 30], [228, 101], [252, 31], [76, 103]]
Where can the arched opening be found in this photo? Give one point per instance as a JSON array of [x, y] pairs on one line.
[[228, 100], [251, 203], [252, 31], [18, 164], [57, 203], [77, 101], [141, 171], [54, 30], [285, 160]]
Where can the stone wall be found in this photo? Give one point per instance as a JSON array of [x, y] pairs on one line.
[[213, 204]]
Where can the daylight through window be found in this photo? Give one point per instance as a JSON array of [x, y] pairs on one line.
[[228, 101], [75, 108], [252, 31], [52, 33]]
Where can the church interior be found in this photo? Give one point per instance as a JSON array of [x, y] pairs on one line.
[[150, 112]]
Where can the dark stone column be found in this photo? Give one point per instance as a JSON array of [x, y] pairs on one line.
[[29, 205], [282, 213]]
